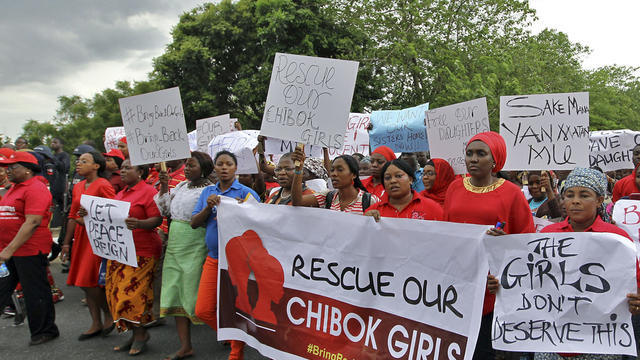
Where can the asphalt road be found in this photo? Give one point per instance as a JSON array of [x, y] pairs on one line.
[[73, 318]]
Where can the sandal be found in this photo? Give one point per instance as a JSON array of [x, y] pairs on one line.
[[175, 356], [139, 346], [124, 346]]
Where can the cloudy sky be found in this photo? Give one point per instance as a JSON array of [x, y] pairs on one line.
[[76, 47]]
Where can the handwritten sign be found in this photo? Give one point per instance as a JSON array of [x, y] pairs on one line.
[[321, 296], [549, 131], [155, 127], [241, 144], [309, 100], [193, 140], [449, 128], [207, 129], [560, 294], [111, 137], [612, 150], [356, 139], [279, 146], [626, 214], [401, 130], [107, 231]]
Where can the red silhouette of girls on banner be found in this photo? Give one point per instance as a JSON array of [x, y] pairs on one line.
[[245, 254]]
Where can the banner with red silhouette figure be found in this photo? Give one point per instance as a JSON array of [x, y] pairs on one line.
[[308, 283]]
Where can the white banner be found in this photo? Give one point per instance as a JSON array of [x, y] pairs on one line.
[[563, 292], [207, 129], [449, 128], [279, 146], [108, 233], [397, 289], [155, 127], [401, 130], [545, 132], [241, 144], [612, 150], [111, 137], [309, 100], [626, 214], [356, 139]]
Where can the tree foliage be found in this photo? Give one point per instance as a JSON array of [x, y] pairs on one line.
[[410, 52]]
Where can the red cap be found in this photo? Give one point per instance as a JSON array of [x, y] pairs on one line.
[[20, 156], [114, 153], [123, 139], [5, 153]]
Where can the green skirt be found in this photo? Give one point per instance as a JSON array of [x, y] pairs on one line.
[[186, 252]]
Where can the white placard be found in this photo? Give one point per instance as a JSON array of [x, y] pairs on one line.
[[112, 136], [356, 139], [540, 223], [240, 143], [279, 146], [108, 234], [193, 140], [155, 127], [449, 128], [612, 150], [626, 214], [545, 132], [574, 285], [309, 100], [357, 289], [207, 129]]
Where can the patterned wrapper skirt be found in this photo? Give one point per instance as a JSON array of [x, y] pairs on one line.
[[186, 252], [130, 292]]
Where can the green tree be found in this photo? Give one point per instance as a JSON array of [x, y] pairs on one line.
[[221, 55]]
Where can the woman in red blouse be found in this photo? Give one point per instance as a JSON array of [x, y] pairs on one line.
[[379, 157], [25, 240], [85, 265], [399, 200], [129, 289], [484, 199]]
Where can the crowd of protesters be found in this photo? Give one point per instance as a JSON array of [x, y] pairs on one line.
[[173, 217]]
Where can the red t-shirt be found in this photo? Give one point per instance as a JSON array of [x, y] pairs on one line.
[[419, 208], [30, 197], [140, 196], [116, 181], [624, 187], [597, 226], [501, 201], [377, 190]]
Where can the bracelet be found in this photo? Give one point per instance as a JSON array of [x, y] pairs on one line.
[[297, 172]]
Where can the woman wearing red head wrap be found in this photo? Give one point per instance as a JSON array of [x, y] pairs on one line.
[[484, 199], [123, 147], [379, 157], [437, 177]]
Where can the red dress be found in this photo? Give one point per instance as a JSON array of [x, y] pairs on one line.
[[501, 201], [85, 266]]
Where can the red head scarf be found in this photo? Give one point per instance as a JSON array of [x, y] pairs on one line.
[[497, 146], [123, 139], [444, 178], [386, 152]]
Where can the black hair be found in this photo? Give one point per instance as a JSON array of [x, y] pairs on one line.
[[118, 160], [35, 168], [400, 164], [286, 156], [100, 160], [61, 141], [430, 162], [354, 167], [145, 170], [206, 164], [225, 152]]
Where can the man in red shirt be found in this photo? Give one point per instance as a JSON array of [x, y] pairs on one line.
[[25, 240]]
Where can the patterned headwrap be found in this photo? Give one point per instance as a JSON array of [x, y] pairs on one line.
[[366, 159], [316, 167], [589, 178]]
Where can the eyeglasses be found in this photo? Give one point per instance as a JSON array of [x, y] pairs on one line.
[[429, 173], [287, 169]]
